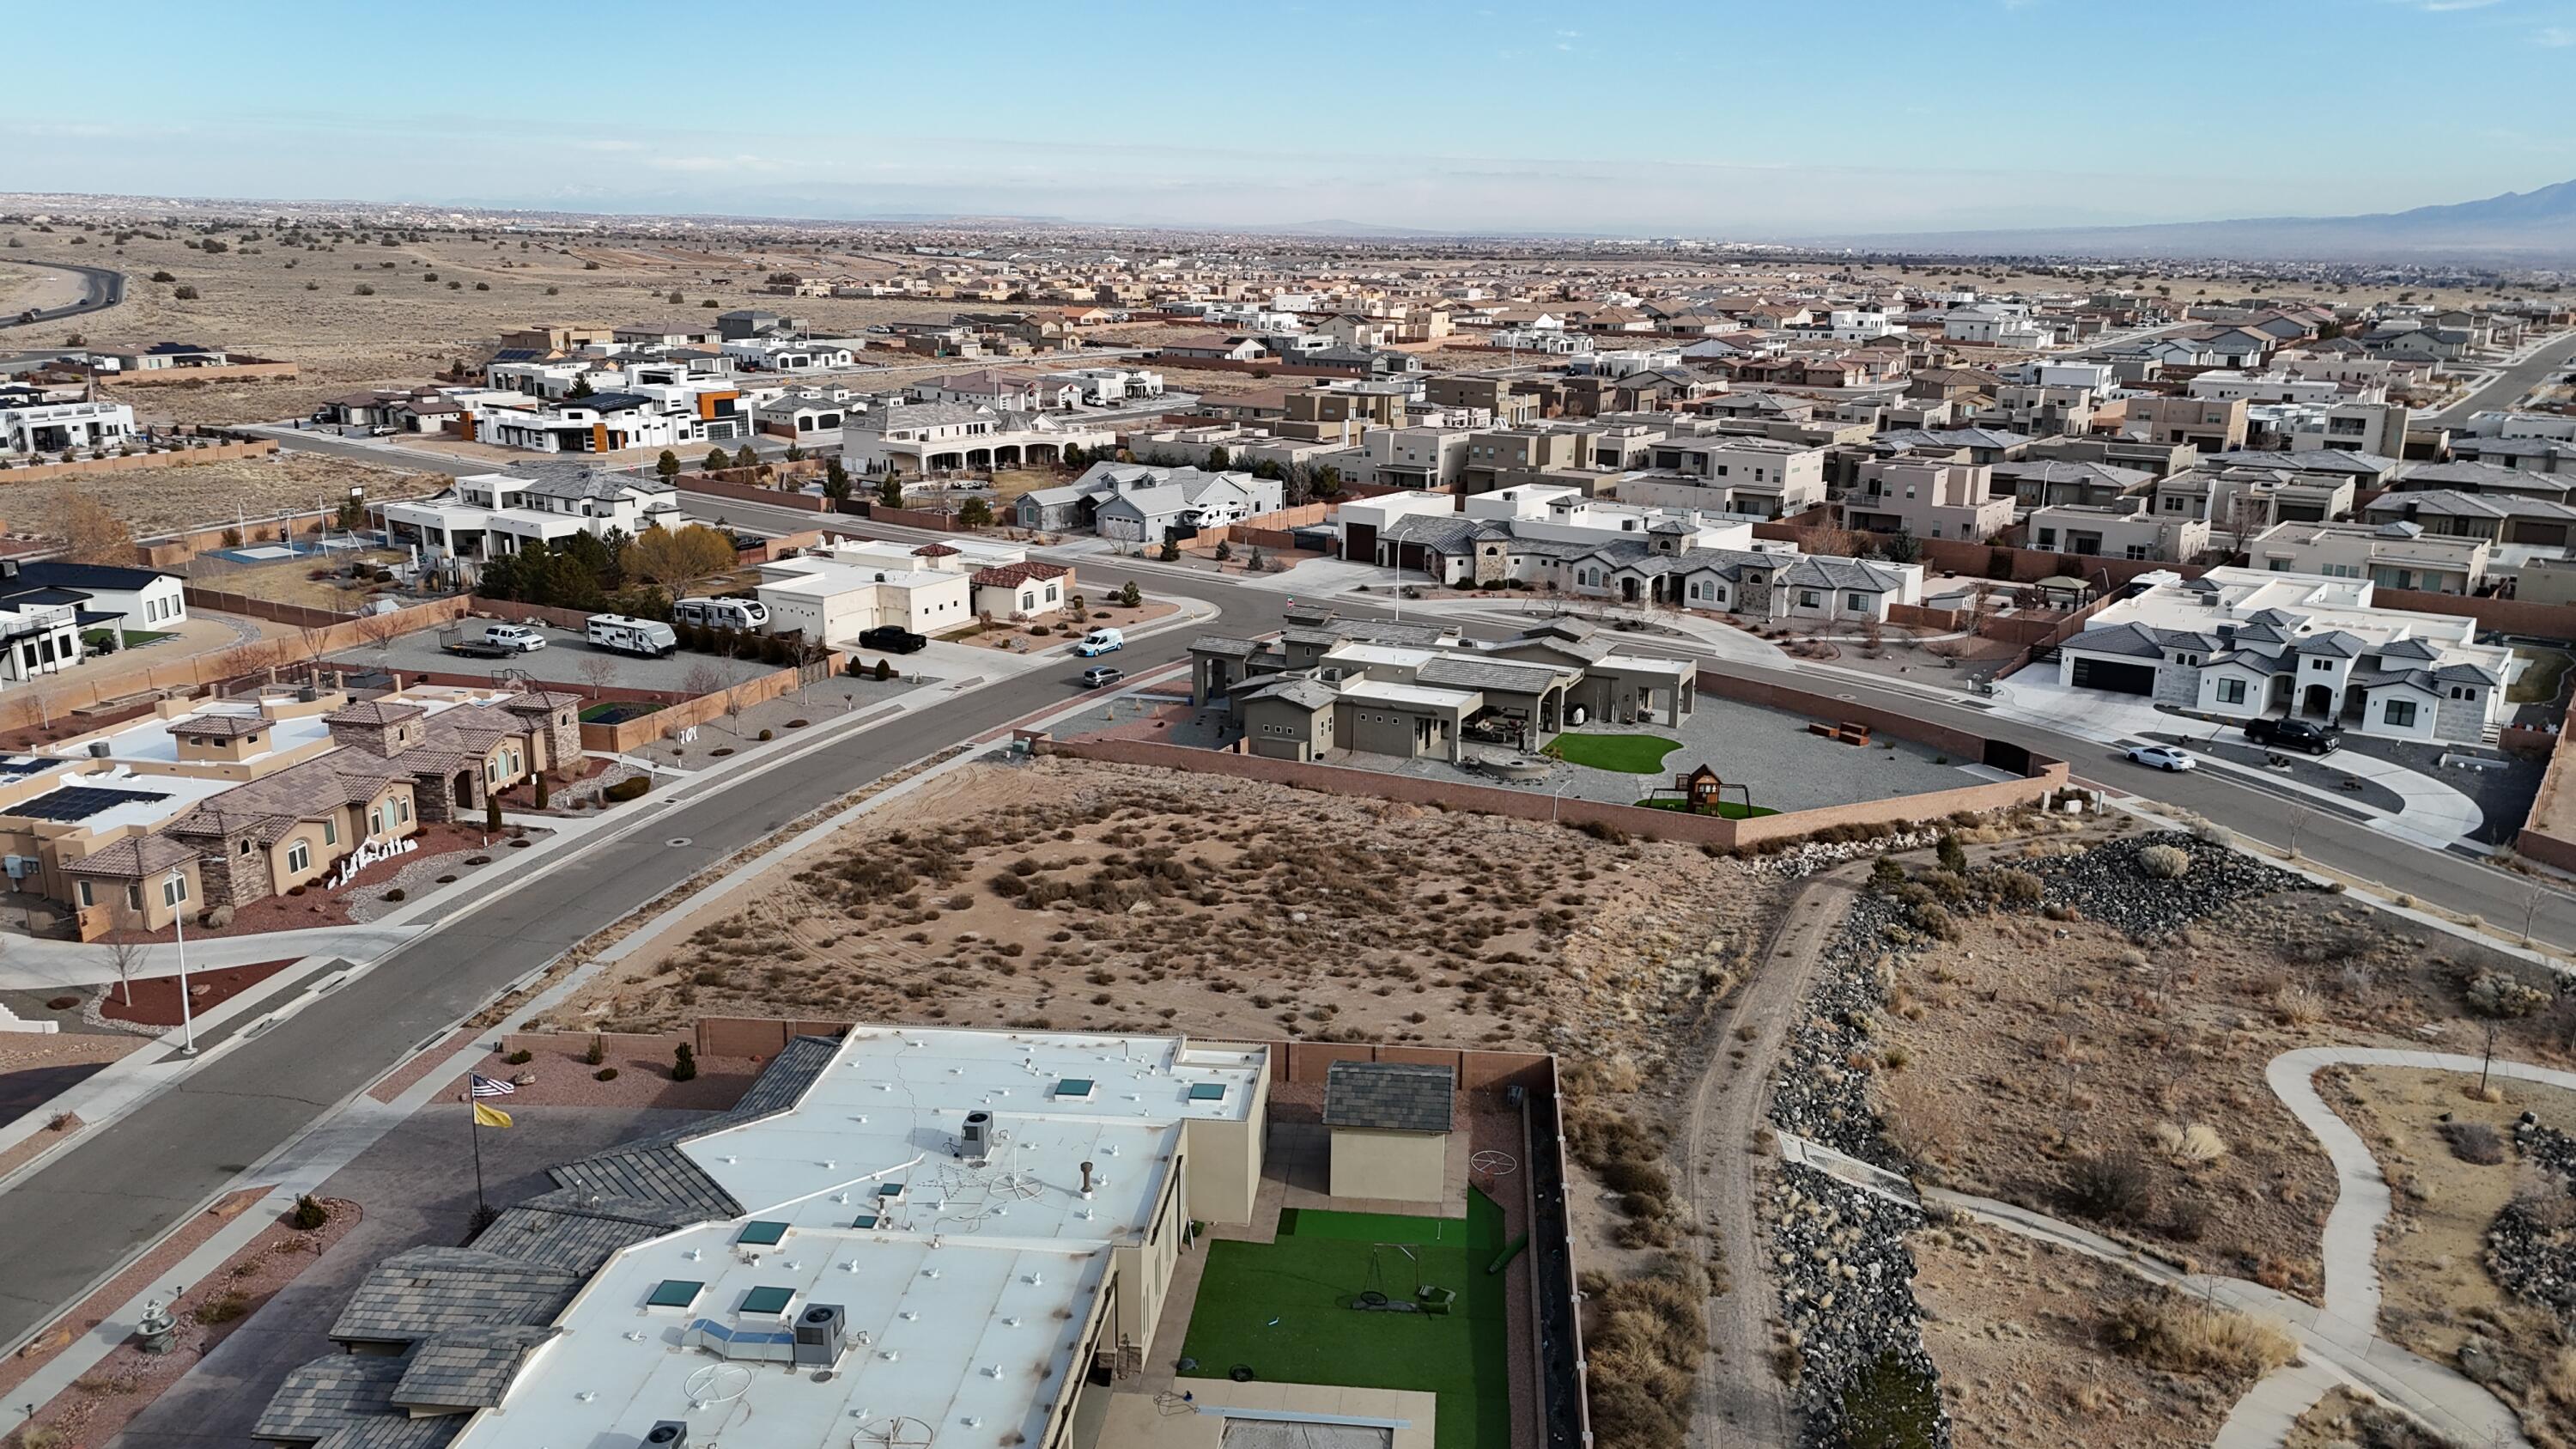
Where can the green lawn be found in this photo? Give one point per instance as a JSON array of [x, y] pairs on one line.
[[2539, 683], [1627, 754], [1726, 809], [1282, 1308]]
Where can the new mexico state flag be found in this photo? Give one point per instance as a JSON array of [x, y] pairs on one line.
[[490, 1116]]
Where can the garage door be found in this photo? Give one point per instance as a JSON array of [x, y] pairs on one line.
[[2118, 676]]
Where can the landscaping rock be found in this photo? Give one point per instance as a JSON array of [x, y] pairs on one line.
[[2109, 884]]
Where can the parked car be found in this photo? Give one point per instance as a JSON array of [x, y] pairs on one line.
[[383, 430], [2295, 734], [892, 640], [1101, 676], [1098, 642], [2161, 757]]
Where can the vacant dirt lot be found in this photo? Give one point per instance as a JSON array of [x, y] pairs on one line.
[[2040, 1047], [287, 303], [2015, 1328], [1079, 895], [165, 500]]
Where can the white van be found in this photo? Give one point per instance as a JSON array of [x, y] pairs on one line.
[[721, 613], [1099, 641], [645, 638]]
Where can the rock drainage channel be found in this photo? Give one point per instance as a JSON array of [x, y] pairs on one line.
[[1845, 1275]]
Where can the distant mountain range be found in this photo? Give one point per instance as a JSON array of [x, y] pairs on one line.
[[2529, 228]]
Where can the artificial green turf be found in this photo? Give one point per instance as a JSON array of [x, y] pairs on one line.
[[1282, 1308], [1627, 754], [1726, 809]]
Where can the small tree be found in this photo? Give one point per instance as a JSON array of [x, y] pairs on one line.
[[539, 790], [975, 513], [2495, 998], [717, 460], [581, 387], [684, 1063], [1171, 552], [836, 481], [93, 535], [885, 669], [1224, 550], [598, 671], [702, 679], [796, 452], [126, 956], [677, 559], [1953, 856], [1130, 596], [668, 465], [890, 490], [1217, 459]]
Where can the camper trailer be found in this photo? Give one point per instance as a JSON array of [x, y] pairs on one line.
[[645, 638]]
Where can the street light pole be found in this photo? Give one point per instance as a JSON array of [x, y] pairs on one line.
[[179, 923]]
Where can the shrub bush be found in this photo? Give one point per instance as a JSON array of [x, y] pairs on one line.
[[2164, 862], [2474, 1142], [684, 1063], [604, 1074], [520, 1058], [626, 789], [62, 1003], [309, 1213], [2115, 1187], [2183, 1337], [598, 1052]]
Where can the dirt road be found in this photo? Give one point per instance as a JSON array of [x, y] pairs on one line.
[[1742, 1400]]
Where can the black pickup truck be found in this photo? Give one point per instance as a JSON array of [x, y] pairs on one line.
[[2295, 734]]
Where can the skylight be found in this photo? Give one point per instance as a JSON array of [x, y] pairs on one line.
[[761, 1234], [767, 1300], [675, 1293]]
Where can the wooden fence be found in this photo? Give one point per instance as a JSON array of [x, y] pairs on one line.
[[210, 453]]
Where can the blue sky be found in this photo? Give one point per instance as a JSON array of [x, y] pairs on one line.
[[1711, 118]]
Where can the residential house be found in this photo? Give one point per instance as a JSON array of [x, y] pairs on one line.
[[2394, 554], [488, 515], [1928, 498]]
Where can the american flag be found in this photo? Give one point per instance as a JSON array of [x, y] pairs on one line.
[[487, 1087]]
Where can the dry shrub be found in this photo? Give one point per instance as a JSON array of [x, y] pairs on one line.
[[1645, 1345], [2184, 1146], [2164, 862], [2297, 1006], [2183, 1337], [2114, 1187], [2474, 1142]]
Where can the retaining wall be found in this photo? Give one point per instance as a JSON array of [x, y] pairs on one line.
[[751, 493], [211, 453], [183, 376]]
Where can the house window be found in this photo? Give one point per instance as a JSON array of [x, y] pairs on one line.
[[174, 890], [299, 857], [1856, 601], [2231, 691], [2321, 664], [87, 897], [331, 828], [2400, 712], [1807, 598]]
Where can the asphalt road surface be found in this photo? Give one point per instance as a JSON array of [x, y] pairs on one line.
[[91, 1208], [2508, 386], [104, 288]]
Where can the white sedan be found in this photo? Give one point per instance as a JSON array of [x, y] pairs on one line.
[[2161, 757]]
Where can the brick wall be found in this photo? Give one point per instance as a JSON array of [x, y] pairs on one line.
[[750, 493], [2509, 616], [184, 376], [211, 453]]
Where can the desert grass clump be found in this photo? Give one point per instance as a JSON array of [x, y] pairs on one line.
[[2183, 1337], [2115, 1187], [2163, 862], [1645, 1345], [2474, 1142], [2189, 1146]]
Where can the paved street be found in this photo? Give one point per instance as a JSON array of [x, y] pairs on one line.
[[2508, 386]]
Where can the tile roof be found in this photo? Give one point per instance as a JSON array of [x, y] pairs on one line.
[[1011, 575], [132, 858], [327, 1393], [218, 726], [468, 1369], [1390, 1096], [422, 1292]]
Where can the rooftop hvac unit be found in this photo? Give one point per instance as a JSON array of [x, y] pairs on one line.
[[822, 1330], [667, 1434], [976, 1139], [100, 749]]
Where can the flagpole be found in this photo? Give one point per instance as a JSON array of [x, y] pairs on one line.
[[480, 1208]]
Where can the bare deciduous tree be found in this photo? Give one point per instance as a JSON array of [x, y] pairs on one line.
[[599, 671], [125, 956]]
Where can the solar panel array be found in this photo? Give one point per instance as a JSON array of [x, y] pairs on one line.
[[80, 802]]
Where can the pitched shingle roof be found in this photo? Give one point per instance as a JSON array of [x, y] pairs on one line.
[[423, 1292], [469, 1369], [1390, 1096]]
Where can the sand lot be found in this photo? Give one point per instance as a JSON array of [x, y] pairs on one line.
[[291, 304], [1087, 896], [164, 500]]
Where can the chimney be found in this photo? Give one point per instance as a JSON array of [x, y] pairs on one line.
[[1086, 1180]]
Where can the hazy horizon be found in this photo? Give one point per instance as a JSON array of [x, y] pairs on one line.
[[1720, 119]]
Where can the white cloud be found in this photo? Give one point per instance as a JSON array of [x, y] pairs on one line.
[[2445, 7], [2555, 37]]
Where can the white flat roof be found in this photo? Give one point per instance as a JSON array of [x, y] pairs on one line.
[[966, 1292], [1389, 656], [1376, 691], [150, 739]]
